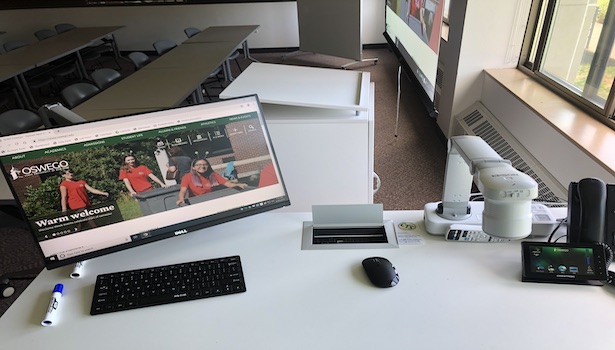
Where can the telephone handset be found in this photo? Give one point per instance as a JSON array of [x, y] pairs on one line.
[[587, 212], [591, 216]]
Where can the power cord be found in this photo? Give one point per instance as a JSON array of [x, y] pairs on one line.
[[610, 278]]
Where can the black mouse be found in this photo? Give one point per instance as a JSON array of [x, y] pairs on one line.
[[381, 272]]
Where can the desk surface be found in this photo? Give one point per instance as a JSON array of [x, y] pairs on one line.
[[303, 86], [450, 296], [223, 33], [200, 55], [45, 51], [163, 83], [144, 89]]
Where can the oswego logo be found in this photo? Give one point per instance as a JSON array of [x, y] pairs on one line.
[[38, 169]]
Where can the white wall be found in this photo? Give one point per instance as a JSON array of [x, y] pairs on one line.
[[483, 34], [146, 24]]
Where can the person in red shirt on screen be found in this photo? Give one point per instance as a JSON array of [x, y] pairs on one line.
[[137, 177], [74, 195], [74, 192], [268, 176], [201, 180]]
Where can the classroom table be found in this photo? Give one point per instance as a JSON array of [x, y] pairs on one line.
[[163, 83], [451, 295], [40, 53], [146, 89], [223, 33], [45, 51], [236, 34], [203, 55]]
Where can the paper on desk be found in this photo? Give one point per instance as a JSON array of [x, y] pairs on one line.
[[408, 233]]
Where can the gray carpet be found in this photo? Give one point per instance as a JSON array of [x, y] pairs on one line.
[[410, 166]]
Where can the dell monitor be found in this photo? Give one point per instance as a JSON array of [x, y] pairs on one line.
[[107, 185]]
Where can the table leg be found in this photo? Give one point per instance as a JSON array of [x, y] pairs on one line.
[[116, 50], [83, 73], [246, 51], [226, 68], [23, 89], [198, 94]]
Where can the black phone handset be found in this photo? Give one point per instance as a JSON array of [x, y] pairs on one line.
[[591, 211], [587, 215]]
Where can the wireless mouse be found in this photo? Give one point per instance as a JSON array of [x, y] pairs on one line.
[[381, 272]]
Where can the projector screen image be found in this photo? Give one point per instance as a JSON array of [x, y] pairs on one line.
[[95, 188], [413, 31]]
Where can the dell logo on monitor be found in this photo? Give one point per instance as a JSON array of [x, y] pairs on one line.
[[180, 232]]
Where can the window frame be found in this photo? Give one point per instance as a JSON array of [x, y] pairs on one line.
[[531, 56]]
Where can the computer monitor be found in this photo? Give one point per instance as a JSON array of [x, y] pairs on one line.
[[98, 187]]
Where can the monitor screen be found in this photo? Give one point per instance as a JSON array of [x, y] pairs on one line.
[[94, 188], [412, 29]]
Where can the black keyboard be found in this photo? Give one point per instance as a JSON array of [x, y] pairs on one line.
[[127, 290]]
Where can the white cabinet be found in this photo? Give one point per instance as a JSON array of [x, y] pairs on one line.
[[326, 156], [321, 123]]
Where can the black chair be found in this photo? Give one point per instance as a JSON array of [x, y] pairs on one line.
[[163, 46], [64, 27], [191, 31], [76, 93], [138, 58], [18, 120], [105, 77], [14, 44], [45, 33]]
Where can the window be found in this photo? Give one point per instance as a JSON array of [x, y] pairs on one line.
[[569, 47]]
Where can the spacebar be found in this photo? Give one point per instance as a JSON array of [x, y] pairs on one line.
[[162, 299]]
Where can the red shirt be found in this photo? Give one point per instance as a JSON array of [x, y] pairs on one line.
[[77, 195], [268, 176], [197, 191], [138, 178]]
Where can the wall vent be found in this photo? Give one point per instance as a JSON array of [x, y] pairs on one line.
[[477, 120]]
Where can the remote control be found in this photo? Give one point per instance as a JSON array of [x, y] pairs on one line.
[[470, 233]]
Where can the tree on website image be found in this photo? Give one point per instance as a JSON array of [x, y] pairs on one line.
[[99, 167]]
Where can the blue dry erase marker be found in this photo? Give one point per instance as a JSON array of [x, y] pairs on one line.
[[54, 303]]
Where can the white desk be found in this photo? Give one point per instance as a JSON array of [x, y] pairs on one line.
[[450, 296]]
